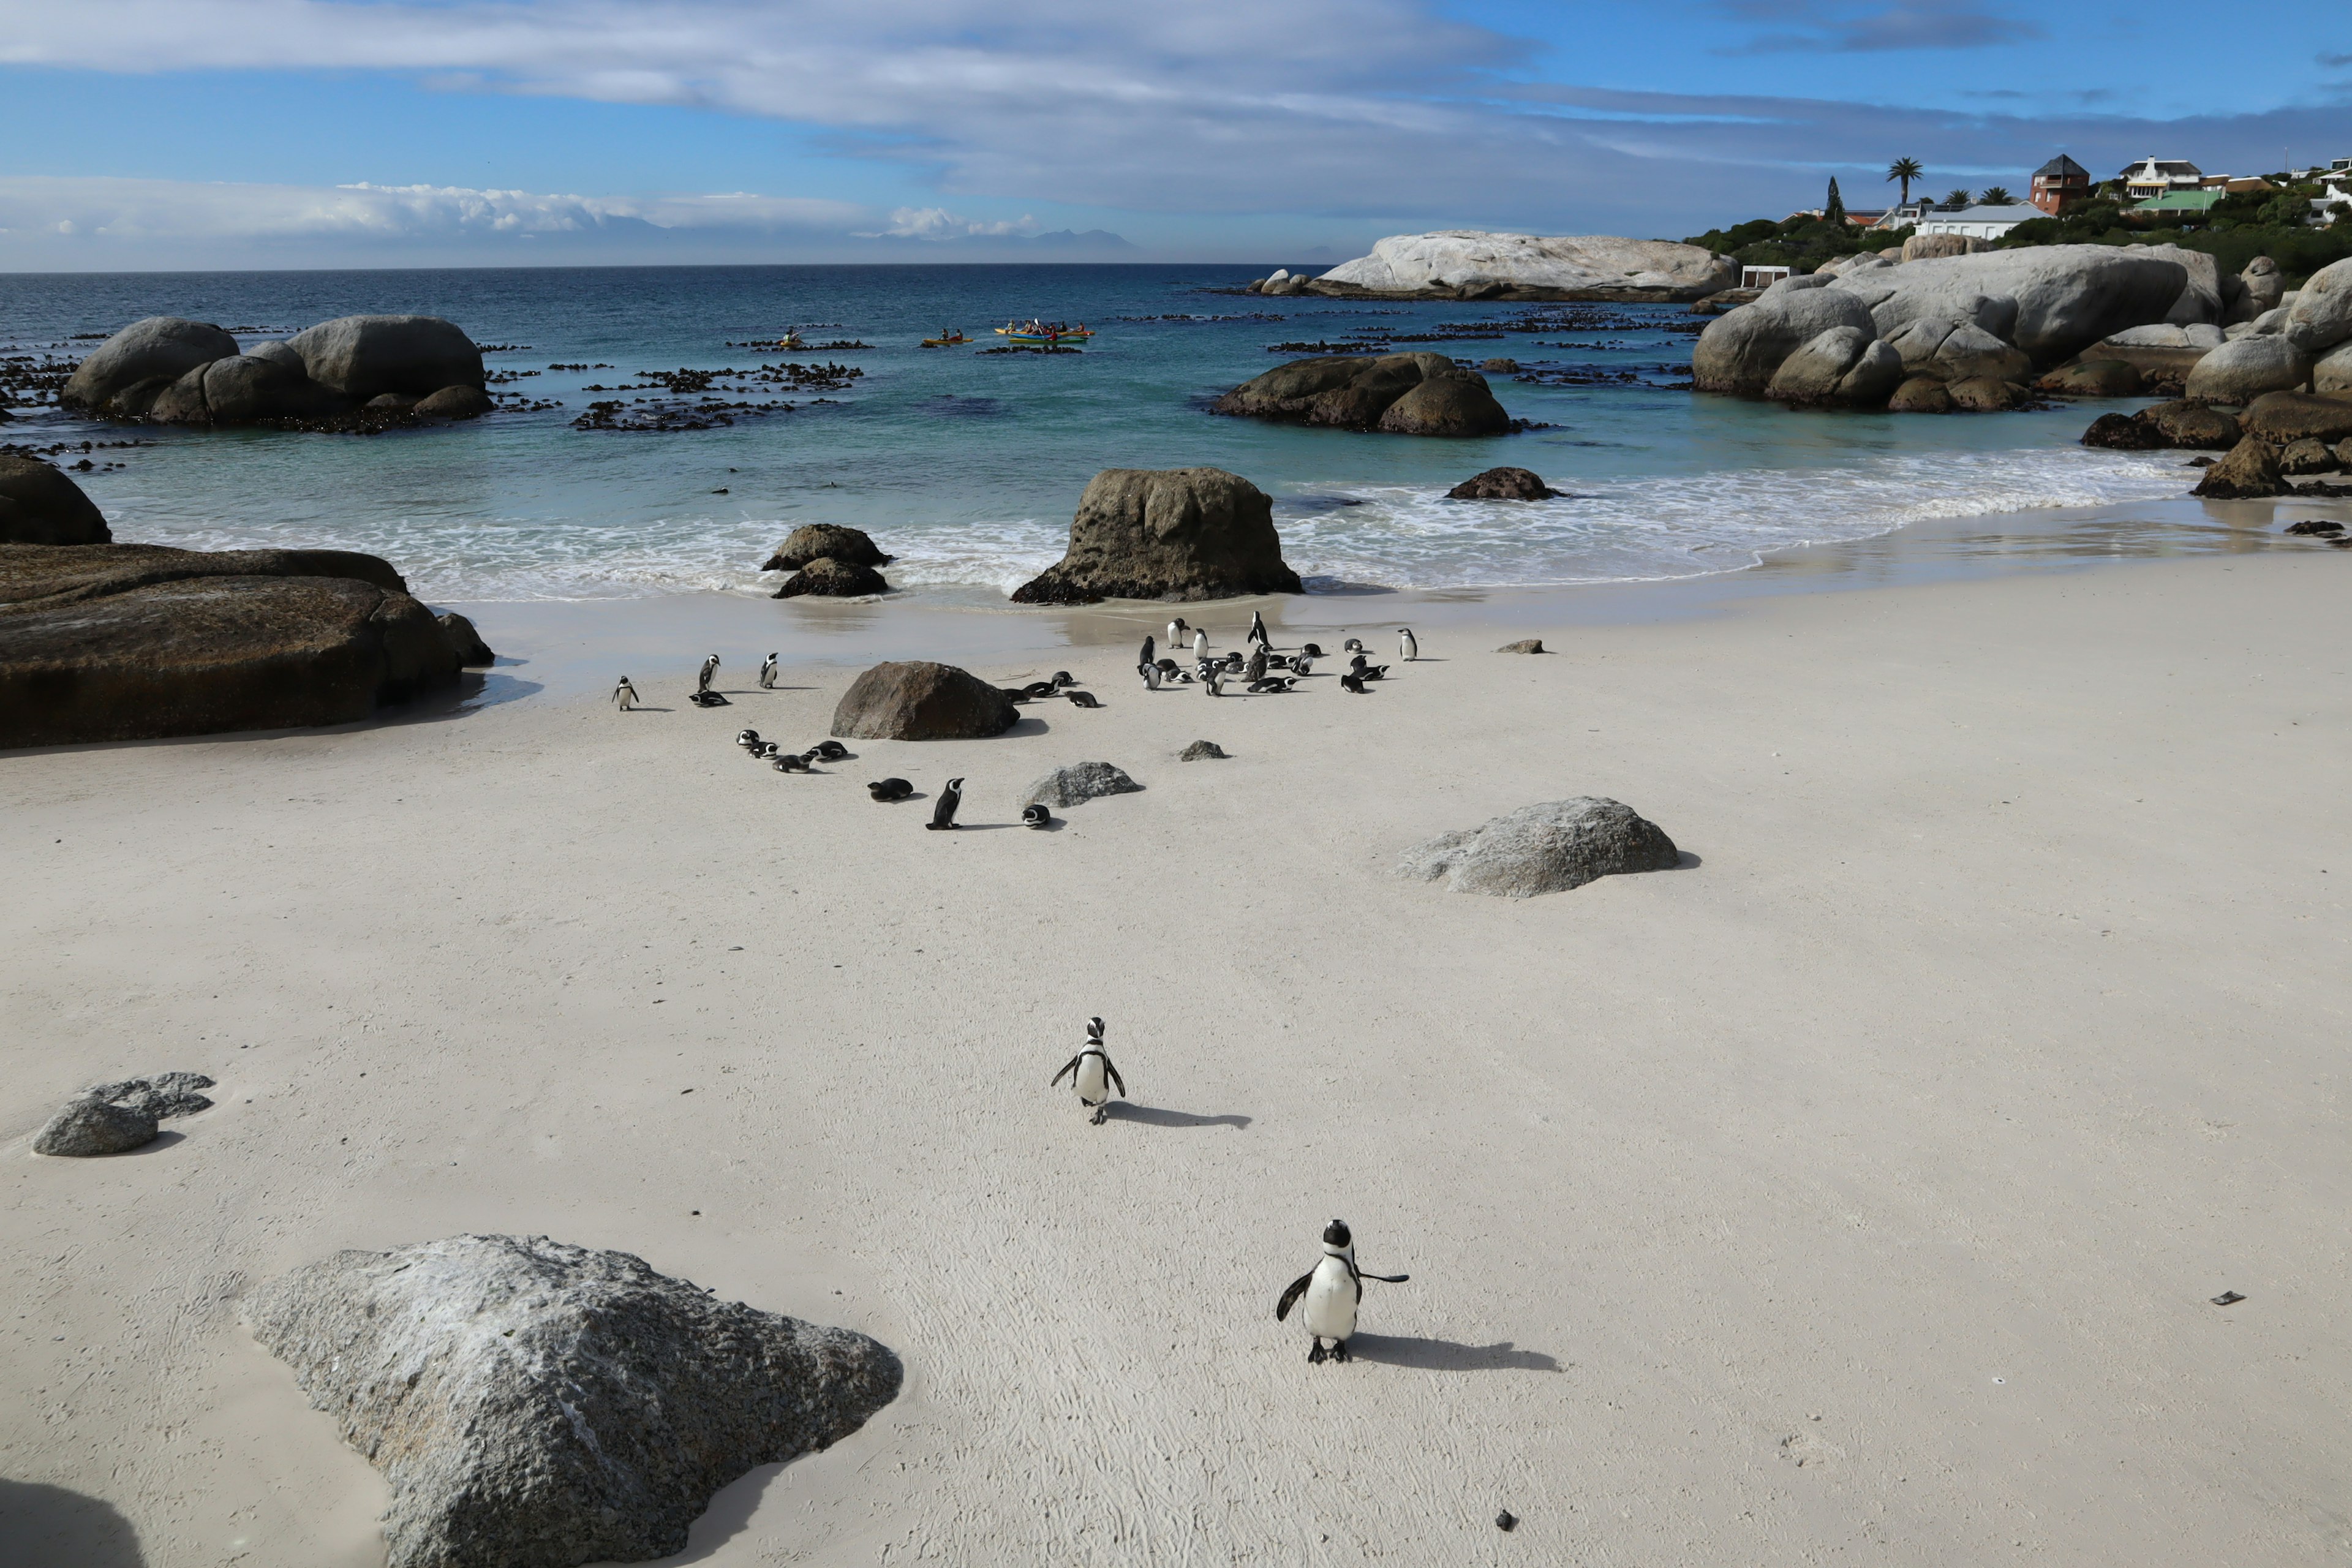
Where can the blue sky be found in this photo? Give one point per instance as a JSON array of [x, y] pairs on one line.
[[158, 134]]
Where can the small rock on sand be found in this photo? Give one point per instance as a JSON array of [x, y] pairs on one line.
[[1079, 782], [1543, 848], [1202, 751], [115, 1117], [1525, 644]]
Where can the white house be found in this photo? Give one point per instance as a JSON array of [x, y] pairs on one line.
[[2154, 177], [1980, 223]]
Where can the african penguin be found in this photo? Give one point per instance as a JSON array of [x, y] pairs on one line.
[[1151, 676], [831, 750], [1334, 1289], [1176, 630], [1311, 650], [943, 814], [748, 739], [1254, 667], [1258, 631], [625, 696], [1353, 645], [1082, 698], [1352, 682], [767, 673], [1199, 641], [1407, 649], [1037, 815], [1145, 656], [1087, 1070], [888, 790], [1302, 663], [789, 762], [709, 668]]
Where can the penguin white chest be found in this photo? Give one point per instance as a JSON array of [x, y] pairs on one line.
[[1332, 1301], [1093, 1084]]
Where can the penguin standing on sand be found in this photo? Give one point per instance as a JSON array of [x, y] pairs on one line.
[[1151, 676], [1407, 649], [1176, 630], [1199, 643], [1088, 1072], [1334, 1289], [625, 696], [1145, 656], [709, 668], [943, 814], [1253, 669], [767, 673], [1258, 633]]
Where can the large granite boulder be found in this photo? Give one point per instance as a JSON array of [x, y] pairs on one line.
[[1077, 783], [1934, 246], [2242, 371], [2306, 457], [1473, 264], [2092, 378], [1543, 848], [242, 389], [1166, 533], [1741, 350], [1920, 394], [39, 505], [535, 1404], [2052, 302], [2200, 297], [1502, 484], [2250, 472], [827, 578], [364, 356], [2279, 418], [121, 642], [158, 349], [2321, 316], [1843, 365], [825, 540], [916, 700], [2264, 286], [2332, 376], [2193, 427], [1353, 392], [451, 402]]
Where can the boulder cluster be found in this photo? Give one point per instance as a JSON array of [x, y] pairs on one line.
[[1399, 395], [1473, 264], [831, 560], [355, 372]]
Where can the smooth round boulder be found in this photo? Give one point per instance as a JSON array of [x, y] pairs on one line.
[[2250, 472], [364, 356], [452, 403], [1357, 392], [1525, 644], [390, 404], [831, 579], [2321, 317], [916, 700], [1077, 783], [1502, 484], [165, 347], [2282, 416], [2092, 378], [1544, 849], [1985, 394], [1166, 533], [253, 387], [1819, 368], [2243, 370], [2332, 376], [2123, 433], [1920, 394], [38, 505], [1742, 349], [182, 402], [1451, 406], [2193, 426], [823, 541], [2308, 456]]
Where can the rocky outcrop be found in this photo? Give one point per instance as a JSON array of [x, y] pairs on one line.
[[363, 356], [1953, 348], [1166, 533], [2122, 433], [119, 642], [916, 700], [1077, 783], [1986, 394], [1408, 393], [823, 541], [115, 1117], [1920, 394], [1469, 264], [451, 402], [1202, 751], [827, 578], [2279, 418], [2092, 378], [2250, 472], [535, 1404], [2180, 424], [2052, 301], [2333, 374], [1543, 848], [465, 641], [2264, 285], [1525, 644], [1741, 350], [2200, 299], [1502, 484], [2242, 371], [1843, 365], [38, 505], [158, 350], [2321, 316], [2308, 456], [1934, 246]]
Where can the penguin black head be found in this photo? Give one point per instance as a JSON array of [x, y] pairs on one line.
[[1094, 1028], [1336, 1234], [1035, 815]]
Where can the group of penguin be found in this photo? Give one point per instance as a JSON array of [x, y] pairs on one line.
[[1333, 1289], [1255, 667], [890, 790], [625, 696]]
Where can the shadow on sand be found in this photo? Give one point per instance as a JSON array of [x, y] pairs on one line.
[[1448, 1355], [1153, 1116], [47, 1527]]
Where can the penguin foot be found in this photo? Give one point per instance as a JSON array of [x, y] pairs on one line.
[[1317, 1354], [1101, 1113], [1339, 1350]]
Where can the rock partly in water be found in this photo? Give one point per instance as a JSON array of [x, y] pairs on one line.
[[1474, 264], [452, 403], [245, 390], [828, 578], [2193, 427], [1920, 394], [1202, 751], [2250, 472], [160, 349], [2052, 302], [2284, 417], [1843, 365], [1450, 406], [1502, 484], [1543, 848], [1741, 350], [2242, 371], [1166, 533], [361, 357], [826, 541], [2307, 455], [1077, 783], [465, 641], [1988, 395], [2092, 378], [119, 642], [535, 1404], [916, 700], [39, 505], [2123, 433], [1525, 644], [1355, 391], [1500, 366]]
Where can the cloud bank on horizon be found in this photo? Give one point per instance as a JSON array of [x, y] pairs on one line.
[[410, 130]]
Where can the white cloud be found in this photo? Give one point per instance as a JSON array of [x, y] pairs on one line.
[[938, 223]]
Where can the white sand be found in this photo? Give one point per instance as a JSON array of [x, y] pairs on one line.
[[1853, 1194]]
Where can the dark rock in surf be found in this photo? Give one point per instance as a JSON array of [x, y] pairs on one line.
[[2250, 472], [1502, 484], [822, 540], [1166, 533], [832, 579], [39, 505]]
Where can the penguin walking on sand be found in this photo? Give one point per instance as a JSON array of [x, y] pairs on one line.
[[943, 814], [1407, 649], [625, 696], [1088, 1072], [709, 668], [1258, 633], [767, 673], [1334, 1289]]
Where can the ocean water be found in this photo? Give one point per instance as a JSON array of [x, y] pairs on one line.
[[967, 465]]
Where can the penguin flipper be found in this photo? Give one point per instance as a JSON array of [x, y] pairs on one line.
[[1289, 1297], [1070, 1070], [1384, 1279], [1115, 1077]]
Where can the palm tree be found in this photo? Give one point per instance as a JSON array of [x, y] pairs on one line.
[[1906, 169], [1956, 198], [1995, 196]]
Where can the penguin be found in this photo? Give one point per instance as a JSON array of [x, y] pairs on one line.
[[1258, 631], [1176, 630], [831, 750], [1407, 649], [1145, 656], [1277, 661], [1353, 682], [1274, 683], [1037, 815], [1215, 681], [1151, 676], [1167, 669], [748, 739], [888, 790], [764, 751], [709, 668], [1302, 663], [789, 762], [1312, 650], [1372, 671], [1200, 642], [1353, 645], [1233, 662], [1253, 669], [1082, 698], [767, 673], [1063, 677], [1334, 1289], [943, 814], [625, 696], [708, 699], [1035, 689], [1087, 1070]]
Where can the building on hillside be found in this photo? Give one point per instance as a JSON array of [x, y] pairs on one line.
[[2334, 199], [2058, 184], [1904, 215], [1980, 223], [2152, 177], [2187, 204], [1863, 217], [1762, 277], [2238, 184]]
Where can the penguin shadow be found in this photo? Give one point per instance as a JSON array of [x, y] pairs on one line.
[[1155, 1116], [1447, 1355]]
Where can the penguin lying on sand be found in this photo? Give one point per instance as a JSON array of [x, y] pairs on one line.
[[1302, 663], [1037, 815], [789, 762], [1353, 682], [943, 814], [887, 790], [708, 700], [1353, 645], [1334, 1289], [1087, 1070], [1272, 684], [831, 750], [1312, 650], [1034, 689], [1063, 677], [748, 739], [1082, 698], [625, 696]]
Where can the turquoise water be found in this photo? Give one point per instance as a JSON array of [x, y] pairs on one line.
[[967, 465]]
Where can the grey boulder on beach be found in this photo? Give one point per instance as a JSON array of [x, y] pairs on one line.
[[116, 1118], [1077, 783], [1166, 533], [916, 700], [1543, 848], [536, 1404]]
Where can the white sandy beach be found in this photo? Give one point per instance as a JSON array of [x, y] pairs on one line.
[[1854, 1194]]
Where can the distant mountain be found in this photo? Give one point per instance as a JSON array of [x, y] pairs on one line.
[[1068, 239]]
